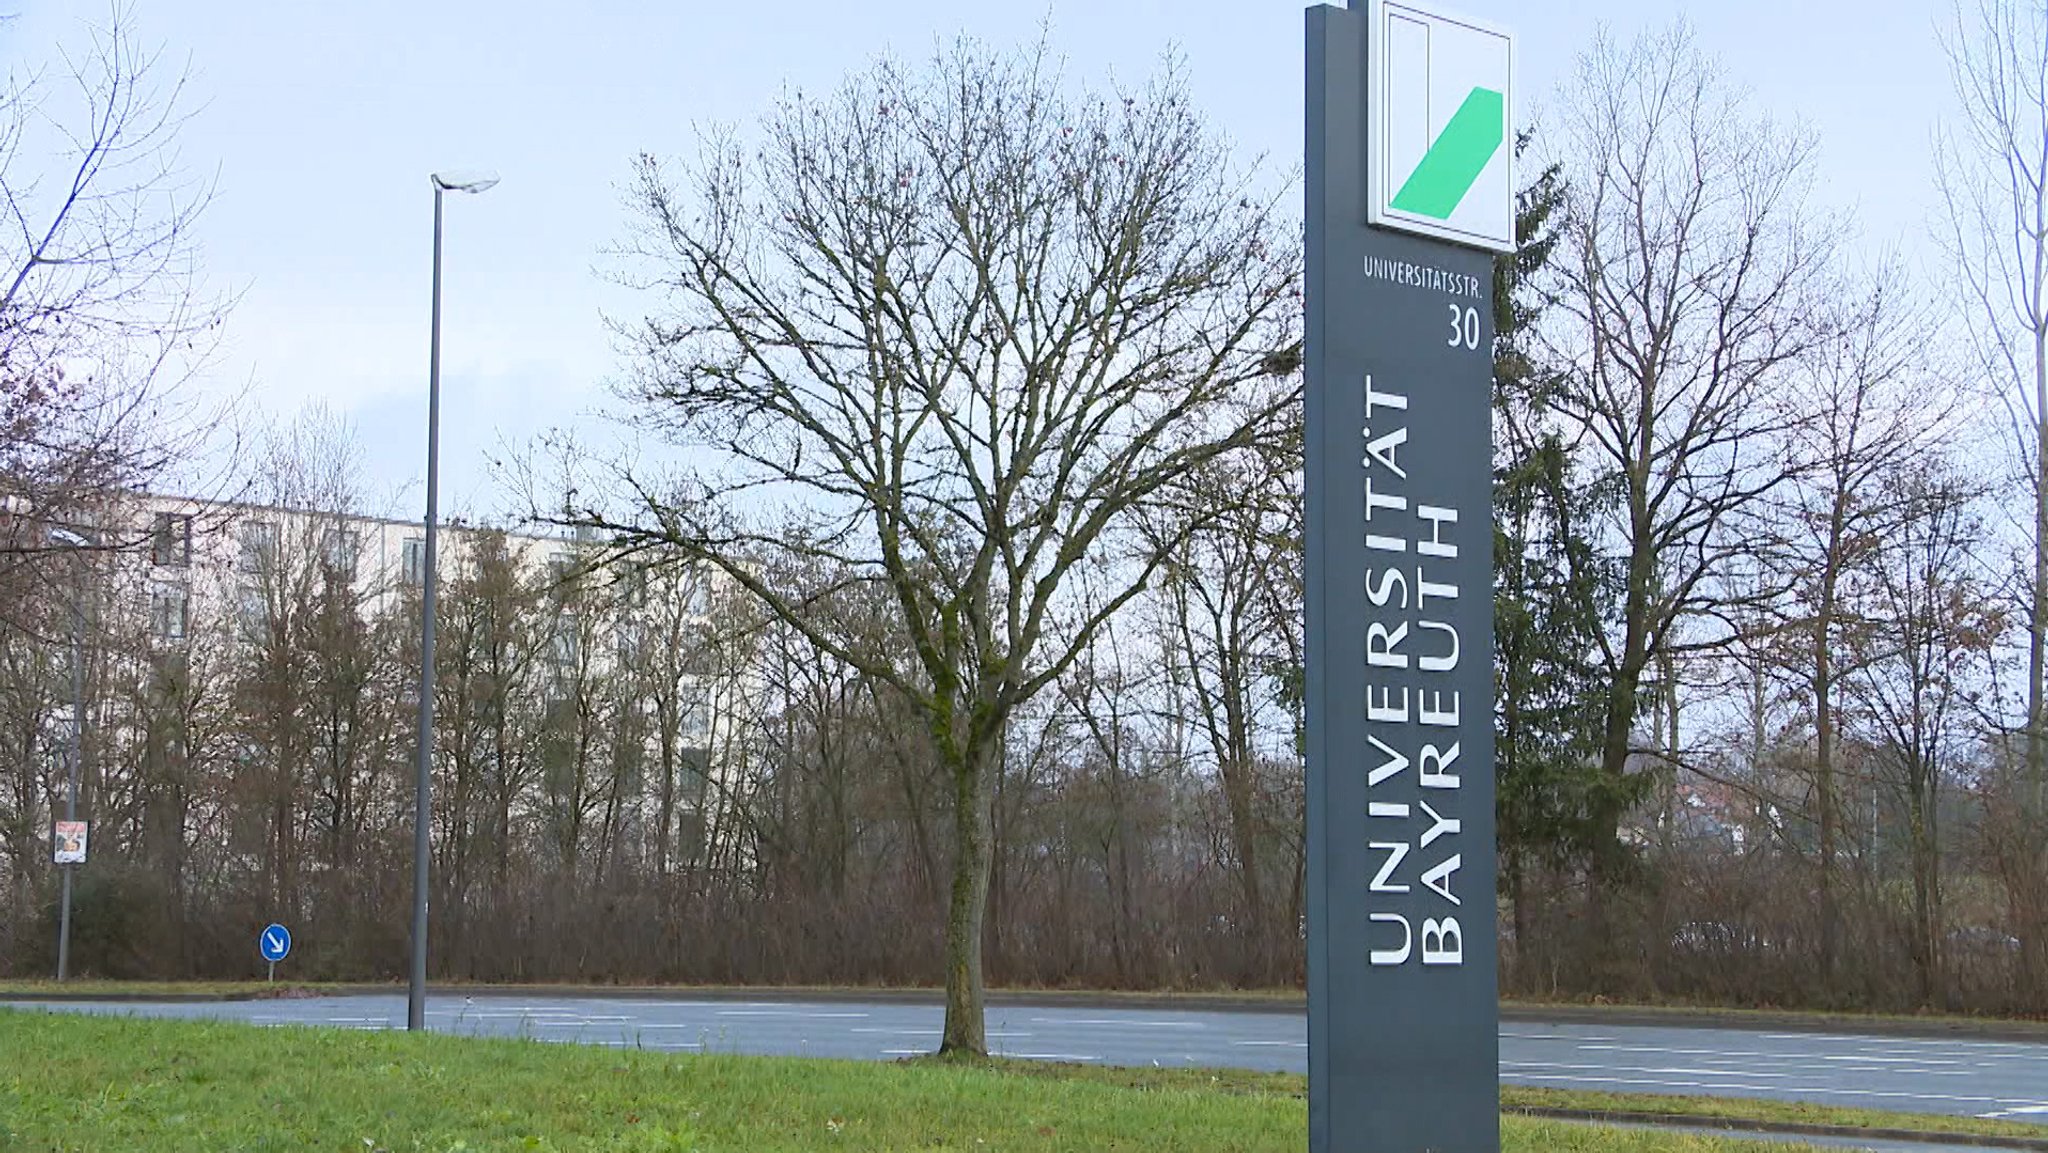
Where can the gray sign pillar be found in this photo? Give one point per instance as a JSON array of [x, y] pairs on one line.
[[1403, 1002]]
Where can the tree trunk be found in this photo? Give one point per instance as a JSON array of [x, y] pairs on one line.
[[1516, 867], [2037, 632], [1824, 750], [2035, 934], [1926, 866], [973, 827]]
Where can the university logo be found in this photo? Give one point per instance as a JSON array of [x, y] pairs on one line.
[[1439, 93]]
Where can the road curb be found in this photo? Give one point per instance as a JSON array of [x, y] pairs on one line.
[[1785, 1128], [135, 998]]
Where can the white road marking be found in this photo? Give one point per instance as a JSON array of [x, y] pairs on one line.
[[1892, 1060], [1041, 1056], [1554, 1036], [1281, 1044], [1118, 1024], [2022, 1111], [876, 1030], [1729, 1087], [1958, 1045], [807, 1015], [1676, 1051]]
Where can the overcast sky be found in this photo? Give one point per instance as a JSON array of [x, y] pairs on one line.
[[323, 121]]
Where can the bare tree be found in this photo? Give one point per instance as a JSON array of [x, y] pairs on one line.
[[1685, 277], [1934, 625], [303, 661], [102, 316], [1874, 410], [1992, 171], [1229, 634], [950, 332]]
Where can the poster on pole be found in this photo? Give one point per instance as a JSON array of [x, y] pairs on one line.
[[70, 840]]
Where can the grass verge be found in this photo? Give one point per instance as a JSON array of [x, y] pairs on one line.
[[116, 1084], [186, 990], [1516, 1097]]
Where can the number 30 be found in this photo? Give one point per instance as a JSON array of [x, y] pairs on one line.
[[1464, 328]]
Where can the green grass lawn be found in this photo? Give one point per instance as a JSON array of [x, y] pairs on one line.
[[220, 989], [1515, 1097], [109, 1085]]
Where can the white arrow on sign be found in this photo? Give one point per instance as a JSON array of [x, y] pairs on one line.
[[275, 942]]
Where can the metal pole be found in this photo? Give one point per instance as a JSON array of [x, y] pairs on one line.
[[77, 753], [416, 991]]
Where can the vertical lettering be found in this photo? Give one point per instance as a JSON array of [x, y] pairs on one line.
[[1373, 399], [1380, 594], [1433, 767], [1375, 500], [1386, 709], [1381, 448], [1441, 825], [1380, 645], [1439, 879], [1394, 763], [1449, 947], [1396, 852], [1394, 956], [1442, 664], [1437, 518], [1428, 590]]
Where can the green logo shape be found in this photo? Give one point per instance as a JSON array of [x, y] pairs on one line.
[[1453, 164]]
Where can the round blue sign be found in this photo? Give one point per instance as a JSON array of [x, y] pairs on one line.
[[275, 943]]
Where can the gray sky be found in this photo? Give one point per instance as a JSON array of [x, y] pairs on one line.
[[323, 122]]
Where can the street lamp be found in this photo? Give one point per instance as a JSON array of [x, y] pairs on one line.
[[72, 540], [416, 989]]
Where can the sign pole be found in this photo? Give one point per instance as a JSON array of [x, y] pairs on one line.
[[274, 944], [71, 784], [1409, 191]]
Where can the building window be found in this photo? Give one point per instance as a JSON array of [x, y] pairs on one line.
[[562, 569], [633, 586], [412, 560], [170, 541], [259, 548], [253, 610], [696, 593], [696, 719], [632, 642], [563, 642], [338, 552], [167, 612]]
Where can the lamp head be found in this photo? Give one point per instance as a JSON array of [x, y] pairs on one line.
[[464, 180]]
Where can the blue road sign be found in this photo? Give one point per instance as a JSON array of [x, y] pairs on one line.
[[275, 944]]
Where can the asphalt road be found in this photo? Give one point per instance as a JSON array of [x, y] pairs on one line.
[[1920, 1075]]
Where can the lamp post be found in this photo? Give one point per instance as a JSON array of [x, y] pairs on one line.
[[72, 541], [416, 988]]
